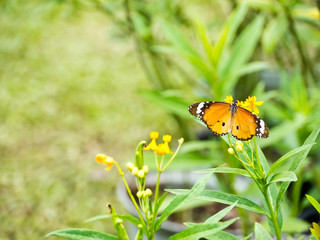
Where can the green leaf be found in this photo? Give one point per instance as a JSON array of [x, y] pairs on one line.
[[223, 236], [261, 233], [129, 218], [99, 217], [295, 225], [273, 33], [285, 157], [82, 234], [229, 31], [297, 162], [201, 230], [226, 198], [314, 202], [283, 176], [250, 68], [216, 217], [168, 100], [221, 214], [241, 52], [225, 170], [179, 200]]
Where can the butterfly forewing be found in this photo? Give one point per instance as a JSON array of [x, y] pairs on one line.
[[216, 115]]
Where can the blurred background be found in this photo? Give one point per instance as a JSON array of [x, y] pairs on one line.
[[83, 77]]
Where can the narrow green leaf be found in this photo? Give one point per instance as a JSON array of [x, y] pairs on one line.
[[297, 162], [241, 52], [283, 176], [221, 214], [226, 170], [295, 225], [99, 217], [273, 33], [216, 217], [229, 31], [82, 234], [261, 233], [249, 68], [160, 201], [129, 218], [314, 202], [226, 198], [173, 205], [178, 201], [201, 230], [222, 236], [168, 101], [285, 157]]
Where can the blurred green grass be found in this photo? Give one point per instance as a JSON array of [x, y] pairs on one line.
[[68, 91]]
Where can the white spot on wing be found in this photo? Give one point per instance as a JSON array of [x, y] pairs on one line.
[[199, 108], [262, 126]]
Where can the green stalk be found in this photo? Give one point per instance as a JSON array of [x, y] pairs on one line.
[[129, 192], [156, 195], [273, 216]]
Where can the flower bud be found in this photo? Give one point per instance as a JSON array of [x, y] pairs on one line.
[[130, 166], [145, 169], [139, 194], [135, 171], [230, 151], [140, 174], [148, 192]]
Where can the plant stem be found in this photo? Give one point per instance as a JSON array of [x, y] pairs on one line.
[[129, 192], [155, 208], [272, 213]]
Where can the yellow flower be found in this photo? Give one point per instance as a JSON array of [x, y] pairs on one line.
[[153, 144], [315, 230], [229, 99], [167, 139], [161, 150], [230, 151], [102, 158], [243, 104], [253, 103]]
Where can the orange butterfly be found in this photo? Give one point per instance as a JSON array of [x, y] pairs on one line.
[[222, 118]]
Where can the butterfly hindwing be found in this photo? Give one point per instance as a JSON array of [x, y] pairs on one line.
[[216, 115]]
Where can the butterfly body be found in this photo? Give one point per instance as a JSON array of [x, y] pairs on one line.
[[222, 118]]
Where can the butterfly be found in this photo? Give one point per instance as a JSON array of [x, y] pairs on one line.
[[222, 118]]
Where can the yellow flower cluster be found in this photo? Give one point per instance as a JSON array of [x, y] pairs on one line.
[[162, 148], [250, 104]]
